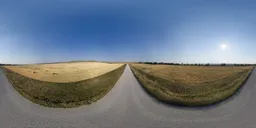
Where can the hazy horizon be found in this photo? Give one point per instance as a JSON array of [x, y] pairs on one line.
[[52, 62], [179, 31]]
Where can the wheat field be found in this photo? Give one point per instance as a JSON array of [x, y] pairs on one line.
[[64, 72], [191, 85], [192, 75]]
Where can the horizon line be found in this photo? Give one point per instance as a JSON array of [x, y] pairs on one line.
[[104, 61]]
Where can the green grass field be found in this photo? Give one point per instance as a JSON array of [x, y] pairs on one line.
[[190, 85], [64, 95]]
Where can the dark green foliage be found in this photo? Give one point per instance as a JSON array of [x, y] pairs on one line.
[[187, 64]]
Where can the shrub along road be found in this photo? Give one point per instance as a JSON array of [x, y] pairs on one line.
[[127, 105]]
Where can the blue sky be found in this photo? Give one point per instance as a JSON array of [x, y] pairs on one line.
[[113, 30]]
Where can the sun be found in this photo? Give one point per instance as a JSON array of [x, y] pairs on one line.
[[223, 46]]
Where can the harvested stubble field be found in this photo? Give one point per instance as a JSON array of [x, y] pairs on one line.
[[191, 85], [62, 85], [64, 72]]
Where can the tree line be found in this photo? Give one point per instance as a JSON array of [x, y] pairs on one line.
[[196, 64]]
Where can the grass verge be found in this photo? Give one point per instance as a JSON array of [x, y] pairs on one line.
[[64, 95], [167, 92]]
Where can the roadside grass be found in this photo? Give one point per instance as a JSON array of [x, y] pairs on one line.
[[179, 92], [64, 95]]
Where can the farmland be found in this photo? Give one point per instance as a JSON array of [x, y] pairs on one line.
[[64, 85], [64, 72], [191, 85]]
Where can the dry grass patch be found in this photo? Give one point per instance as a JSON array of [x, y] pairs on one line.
[[64, 72], [191, 85], [65, 95]]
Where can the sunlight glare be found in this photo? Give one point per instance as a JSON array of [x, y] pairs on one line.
[[223, 46]]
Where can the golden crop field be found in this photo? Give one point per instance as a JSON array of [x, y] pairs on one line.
[[64, 72], [191, 85], [191, 75]]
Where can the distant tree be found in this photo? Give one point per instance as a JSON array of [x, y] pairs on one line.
[[223, 64]]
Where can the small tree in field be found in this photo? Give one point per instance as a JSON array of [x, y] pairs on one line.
[[223, 64]]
